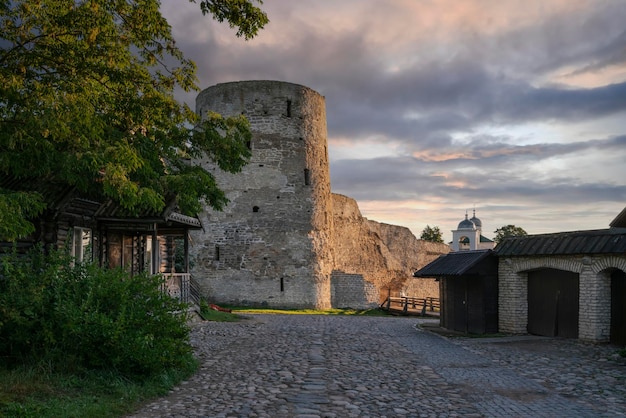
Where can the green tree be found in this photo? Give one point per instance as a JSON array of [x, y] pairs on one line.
[[431, 234], [508, 231], [86, 100]]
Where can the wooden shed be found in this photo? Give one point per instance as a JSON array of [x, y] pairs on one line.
[[468, 288]]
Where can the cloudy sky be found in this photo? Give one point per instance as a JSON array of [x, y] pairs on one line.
[[437, 107]]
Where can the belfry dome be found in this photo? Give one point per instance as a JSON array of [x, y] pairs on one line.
[[476, 221], [466, 224]]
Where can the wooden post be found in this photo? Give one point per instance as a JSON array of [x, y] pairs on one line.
[[155, 251], [388, 298], [186, 251]]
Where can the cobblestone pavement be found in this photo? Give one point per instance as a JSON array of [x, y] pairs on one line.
[[348, 366]]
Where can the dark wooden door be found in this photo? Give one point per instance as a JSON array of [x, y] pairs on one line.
[[553, 303], [475, 306], [618, 307], [459, 298]]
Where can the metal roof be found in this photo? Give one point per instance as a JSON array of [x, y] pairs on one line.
[[485, 239], [453, 264], [57, 195], [184, 219], [111, 211], [601, 241], [620, 220]]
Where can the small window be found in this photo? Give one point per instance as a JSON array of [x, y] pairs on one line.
[[255, 209], [307, 177], [217, 253], [81, 244], [282, 284], [288, 108], [148, 257]]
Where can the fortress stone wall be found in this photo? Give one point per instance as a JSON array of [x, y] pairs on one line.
[[385, 255], [284, 235]]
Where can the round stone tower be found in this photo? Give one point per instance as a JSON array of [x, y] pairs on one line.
[[272, 244]]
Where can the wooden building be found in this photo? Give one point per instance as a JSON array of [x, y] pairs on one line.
[[468, 288], [104, 232]]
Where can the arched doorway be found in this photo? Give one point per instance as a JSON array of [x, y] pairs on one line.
[[618, 307], [553, 303]]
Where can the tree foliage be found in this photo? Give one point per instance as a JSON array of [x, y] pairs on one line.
[[508, 231], [241, 14], [87, 100], [432, 234], [15, 210]]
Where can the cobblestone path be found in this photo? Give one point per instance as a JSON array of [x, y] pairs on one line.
[[348, 366]]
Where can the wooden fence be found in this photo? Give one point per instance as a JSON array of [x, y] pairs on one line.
[[410, 305]]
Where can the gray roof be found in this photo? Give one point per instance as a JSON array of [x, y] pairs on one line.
[[57, 195], [184, 219], [601, 241], [114, 212], [466, 224], [620, 220], [453, 264], [476, 221]]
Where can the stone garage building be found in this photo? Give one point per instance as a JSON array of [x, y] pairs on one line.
[[570, 284]]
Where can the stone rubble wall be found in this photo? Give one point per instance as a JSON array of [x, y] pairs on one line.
[[421, 288], [384, 255]]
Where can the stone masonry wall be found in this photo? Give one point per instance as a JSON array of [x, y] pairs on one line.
[[385, 255], [594, 319], [352, 291], [283, 233], [272, 243]]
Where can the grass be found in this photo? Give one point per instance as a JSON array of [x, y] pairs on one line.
[[344, 311], [209, 314], [35, 391], [217, 316]]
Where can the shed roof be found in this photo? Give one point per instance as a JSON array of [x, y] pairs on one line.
[[600, 241], [453, 264]]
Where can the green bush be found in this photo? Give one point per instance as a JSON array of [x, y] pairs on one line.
[[87, 317]]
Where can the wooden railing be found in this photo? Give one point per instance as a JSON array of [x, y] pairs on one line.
[[407, 304], [178, 286]]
